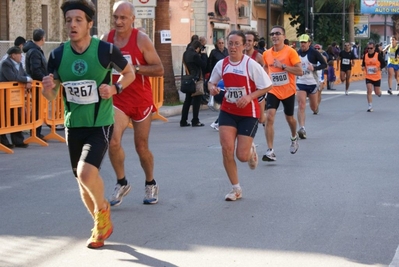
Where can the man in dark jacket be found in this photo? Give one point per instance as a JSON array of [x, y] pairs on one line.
[[36, 65], [217, 54], [12, 70]]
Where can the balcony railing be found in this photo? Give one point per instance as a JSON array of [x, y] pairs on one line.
[[274, 3]]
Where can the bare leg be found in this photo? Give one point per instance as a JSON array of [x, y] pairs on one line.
[[347, 81], [262, 117], [141, 135], [269, 129], [301, 97], [313, 101], [369, 92], [391, 74], [91, 186], [116, 152], [292, 124], [227, 136]]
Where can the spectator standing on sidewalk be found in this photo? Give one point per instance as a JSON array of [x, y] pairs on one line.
[[244, 81], [372, 63], [83, 65], [13, 71], [218, 53], [194, 63], [135, 103], [19, 41], [283, 64], [36, 66]]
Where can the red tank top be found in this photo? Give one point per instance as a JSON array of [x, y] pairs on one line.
[[254, 54], [139, 92]]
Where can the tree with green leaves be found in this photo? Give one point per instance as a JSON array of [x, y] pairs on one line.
[[327, 18]]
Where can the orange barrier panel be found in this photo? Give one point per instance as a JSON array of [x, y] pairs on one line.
[[18, 111], [157, 86], [54, 115], [356, 73]]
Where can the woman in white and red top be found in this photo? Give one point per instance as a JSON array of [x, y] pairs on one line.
[[244, 81]]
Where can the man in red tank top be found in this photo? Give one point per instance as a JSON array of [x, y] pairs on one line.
[[252, 39], [135, 102]]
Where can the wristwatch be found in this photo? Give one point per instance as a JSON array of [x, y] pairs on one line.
[[136, 68], [283, 66], [118, 87]]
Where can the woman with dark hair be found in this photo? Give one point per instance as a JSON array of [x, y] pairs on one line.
[[193, 63], [244, 81]]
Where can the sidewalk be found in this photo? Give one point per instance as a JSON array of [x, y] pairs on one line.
[[168, 111]]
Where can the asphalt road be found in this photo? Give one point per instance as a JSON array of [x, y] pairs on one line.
[[335, 203]]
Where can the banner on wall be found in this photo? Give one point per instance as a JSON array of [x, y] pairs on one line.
[[380, 7], [361, 25]]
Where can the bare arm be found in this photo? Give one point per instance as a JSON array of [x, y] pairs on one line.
[[50, 87], [259, 59], [296, 69], [154, 67]]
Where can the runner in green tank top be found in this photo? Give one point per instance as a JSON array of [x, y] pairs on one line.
[[83, 66]]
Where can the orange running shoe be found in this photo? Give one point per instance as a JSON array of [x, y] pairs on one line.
[[102, 228]]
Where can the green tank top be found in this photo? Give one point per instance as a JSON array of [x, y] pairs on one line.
[[81, 75], [391, 55]]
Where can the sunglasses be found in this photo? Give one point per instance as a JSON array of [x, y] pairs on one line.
[[370, 48], [275, 33], [317, 48]]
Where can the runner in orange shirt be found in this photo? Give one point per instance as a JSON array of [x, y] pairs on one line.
[[283, 64], [372, 63]]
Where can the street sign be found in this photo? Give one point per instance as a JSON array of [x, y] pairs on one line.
[[145, 12], [379, 7], [166, 37], [362, 27], [143, 3]]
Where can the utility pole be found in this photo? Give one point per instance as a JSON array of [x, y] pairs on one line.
[[312, 35], [306, 15], [268, 22], [343, 25]]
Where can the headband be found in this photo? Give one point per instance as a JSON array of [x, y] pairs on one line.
[[79, 6]]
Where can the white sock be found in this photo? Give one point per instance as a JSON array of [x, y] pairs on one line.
[[236, 186]]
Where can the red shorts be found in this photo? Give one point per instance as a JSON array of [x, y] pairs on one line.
[[137, 114]]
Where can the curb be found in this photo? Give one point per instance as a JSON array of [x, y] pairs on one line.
[[169, 111]]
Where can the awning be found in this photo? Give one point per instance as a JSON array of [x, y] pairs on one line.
[[217, 25], [244, 27]]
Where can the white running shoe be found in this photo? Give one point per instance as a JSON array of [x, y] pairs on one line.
[[269, 156], [302, 133], [234, 194], [151, 194], [215, 126], [253, 161], [294, 145], [119, 192]]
